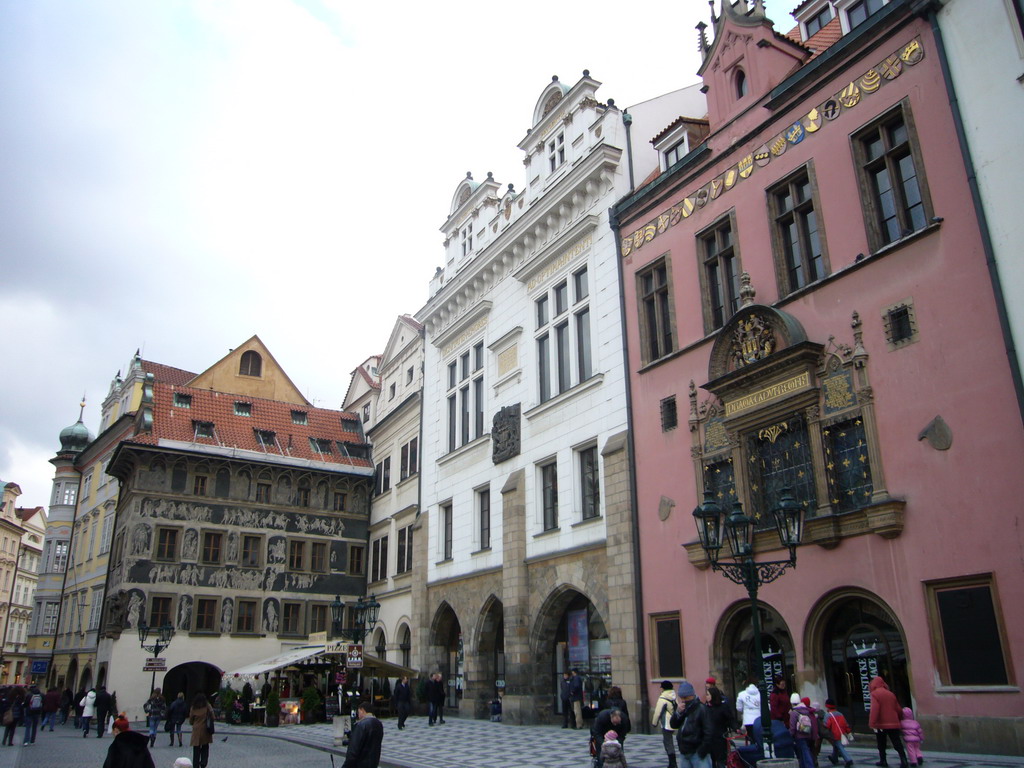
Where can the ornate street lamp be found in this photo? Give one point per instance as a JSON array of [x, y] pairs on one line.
[[742, 569], [363, 614], [162, 636]]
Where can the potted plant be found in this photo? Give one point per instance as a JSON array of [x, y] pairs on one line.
[[310, 701], [226, 700], [273, 708]]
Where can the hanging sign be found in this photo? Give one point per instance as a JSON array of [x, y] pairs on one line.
[[354, 656]]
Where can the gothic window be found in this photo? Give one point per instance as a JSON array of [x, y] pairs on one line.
[[779, 456], [720, 479], [847, 465], [251, 364]]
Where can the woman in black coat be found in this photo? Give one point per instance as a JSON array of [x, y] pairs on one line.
[[129, 749], [723, 720]]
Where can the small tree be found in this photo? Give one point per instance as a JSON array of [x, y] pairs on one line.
[[273, 707], [310, 701]]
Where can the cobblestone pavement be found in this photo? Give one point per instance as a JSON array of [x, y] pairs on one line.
[[457, 744]]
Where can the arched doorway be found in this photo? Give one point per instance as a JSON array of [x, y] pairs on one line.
[[736, 653], [859, 638], [71, 677], [190, 679], [446, 639], [571, 634], [86, 679], [490, 655]]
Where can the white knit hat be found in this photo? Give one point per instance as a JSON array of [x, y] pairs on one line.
[[182, 762]]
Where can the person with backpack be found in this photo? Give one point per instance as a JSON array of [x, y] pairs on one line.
[[661, 718], [13, 711], [88, 707], [693, 728], [841, 734], [803, 724], [176, 715], [33, 712]]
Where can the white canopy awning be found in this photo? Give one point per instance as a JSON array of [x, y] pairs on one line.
[[284, 659]]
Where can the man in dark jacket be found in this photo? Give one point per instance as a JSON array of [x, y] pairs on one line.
[[435, 698], [102, 710], [606, 720], [402, 699], [694, 729], [51, 703], [365, 741], [129, 749], [563, 694], [576, 697]]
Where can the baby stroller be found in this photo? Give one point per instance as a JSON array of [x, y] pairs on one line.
[[747, 756]]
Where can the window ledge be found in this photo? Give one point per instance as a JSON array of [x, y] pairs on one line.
[[570, 394], [484, 439], [204, 633], [548, 532], [588, 521], [955, 689], [405, 480], [445, 561], [481, 551], [246, 634]]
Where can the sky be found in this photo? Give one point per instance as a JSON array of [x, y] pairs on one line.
[[178, 175]]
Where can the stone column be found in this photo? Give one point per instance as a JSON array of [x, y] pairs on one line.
[[420, 629], [518, 705], [622, 568]]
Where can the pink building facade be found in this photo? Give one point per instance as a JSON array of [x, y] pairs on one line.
[[808, 306]]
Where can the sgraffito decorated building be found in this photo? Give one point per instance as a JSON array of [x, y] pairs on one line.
[[808, 306]]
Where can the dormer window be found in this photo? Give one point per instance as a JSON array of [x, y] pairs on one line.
[[243, 409], [556, 151], [742, 86], [676, 153], [859, 12], [299, 417], [182, 400], [816, 22], [320, 445], [467, 242], [251, 364], [202, 428], [265, 438]]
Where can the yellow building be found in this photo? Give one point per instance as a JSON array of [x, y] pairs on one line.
[[11, 532]]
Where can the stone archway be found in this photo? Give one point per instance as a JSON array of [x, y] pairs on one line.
[[445, 654], [851, 635], [190, 678], [488, 658], [86, 679], [71, 677], [734, 650], [570, 633]]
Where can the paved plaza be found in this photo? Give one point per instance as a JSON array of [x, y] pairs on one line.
[[457, 744]]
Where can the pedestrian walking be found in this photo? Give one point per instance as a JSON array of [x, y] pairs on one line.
[[841, 732], [612, 753], [576, 697], [563, 694], [661, 718], [128, 749], [88, 708], [913, 736], [200, 717], [365, 741], [14, 711], [435, 699], [606, 720], [103, 710], [33, 713], [51, 705], [77, 700], [693, 729], [176, 715], [67, 702], [803, 725], [401, 697], [615, 701], [779, 701], [723, 720], [156, 710], [748, 707], [884, 720]]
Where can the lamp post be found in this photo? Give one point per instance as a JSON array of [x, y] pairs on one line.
[[363, 614], [162, 639], [741, 568]]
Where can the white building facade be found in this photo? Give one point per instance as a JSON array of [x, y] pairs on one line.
[[526, 536]]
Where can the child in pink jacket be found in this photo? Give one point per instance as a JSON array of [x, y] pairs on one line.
[[912, 736]]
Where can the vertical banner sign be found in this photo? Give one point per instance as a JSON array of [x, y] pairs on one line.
[[771, 662], [579, 642], [867, 668]]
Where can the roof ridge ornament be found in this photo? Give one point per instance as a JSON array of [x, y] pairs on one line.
[[747, 292]]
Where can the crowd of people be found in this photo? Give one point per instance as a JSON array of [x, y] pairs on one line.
[[702, 730]]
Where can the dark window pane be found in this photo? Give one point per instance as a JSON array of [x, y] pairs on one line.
[[670, 650], [970, 633]]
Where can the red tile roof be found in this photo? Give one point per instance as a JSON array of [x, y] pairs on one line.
[[171, 422], [166, 374], [825, 37], [677, 122]]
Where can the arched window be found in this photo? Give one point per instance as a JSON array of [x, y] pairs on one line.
[[251, 365], [742, 86]]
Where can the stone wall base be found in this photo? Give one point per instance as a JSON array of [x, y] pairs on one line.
[[979, 735]]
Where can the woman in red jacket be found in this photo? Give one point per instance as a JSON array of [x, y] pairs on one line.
[[884, 720], [778, 701]]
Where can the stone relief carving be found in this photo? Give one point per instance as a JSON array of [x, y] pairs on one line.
[[227, 615], [270, 616], [505, 433], [134, 609], [140, 539], [190, 544], [185, 612], [232, 550]]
